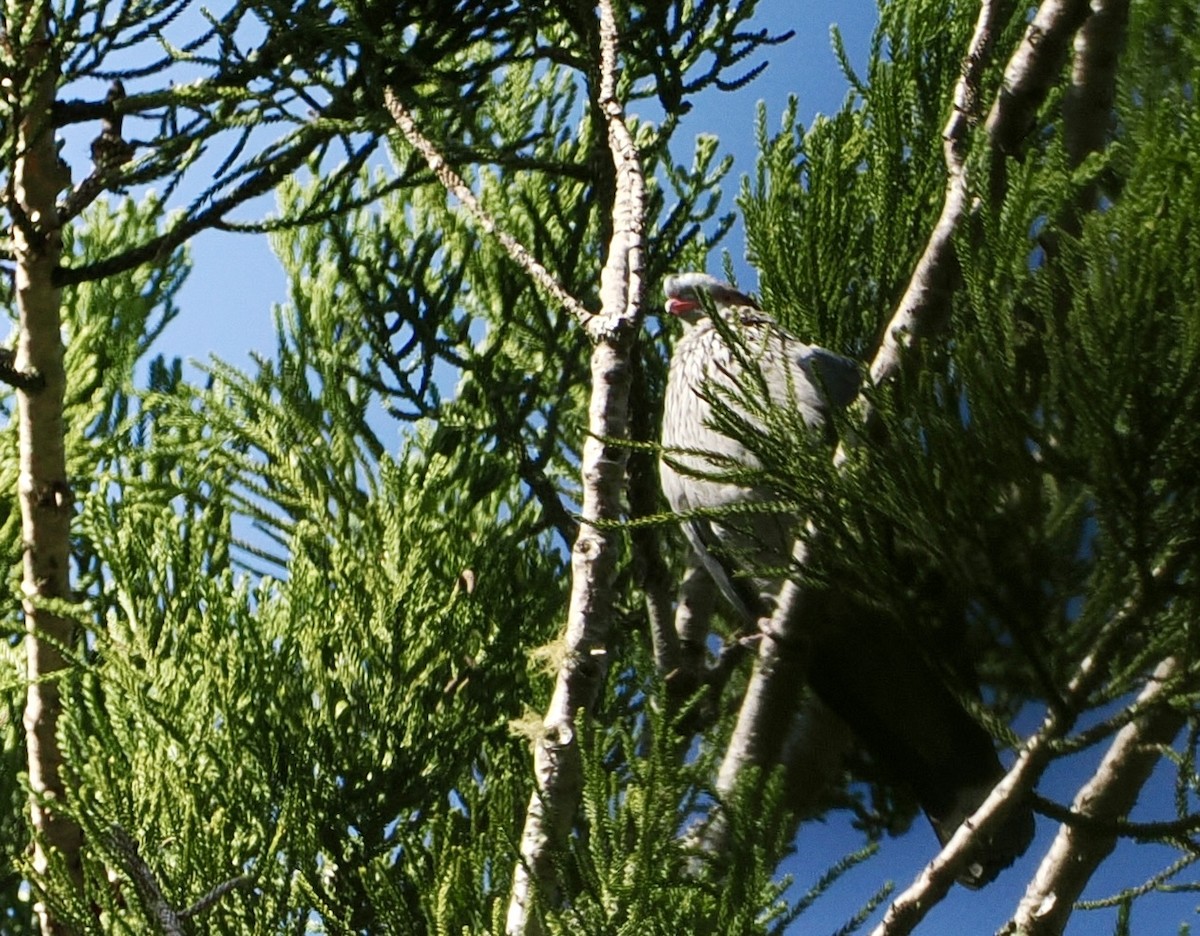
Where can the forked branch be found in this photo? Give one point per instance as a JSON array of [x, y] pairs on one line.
[[1079, 848]]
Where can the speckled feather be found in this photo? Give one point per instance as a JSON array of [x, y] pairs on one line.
[[803, 377]]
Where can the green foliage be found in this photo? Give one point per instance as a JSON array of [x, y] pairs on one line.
[[113, 324], [300, 726], [306, 641], [836, 213], [1024, 489], [310, 594]]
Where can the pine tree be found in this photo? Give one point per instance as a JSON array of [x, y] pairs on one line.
[[322, 610], [167, 787]]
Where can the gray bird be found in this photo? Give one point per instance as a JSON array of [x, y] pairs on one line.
[[707, 373], [863, 667]]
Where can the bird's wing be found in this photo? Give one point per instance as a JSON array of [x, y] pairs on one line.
[[797, 374], [703, 539], [838, 377]]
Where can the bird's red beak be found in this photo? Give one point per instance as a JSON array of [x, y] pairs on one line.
[[679, 306]]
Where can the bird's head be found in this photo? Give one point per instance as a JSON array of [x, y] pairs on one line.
[[686, 292]]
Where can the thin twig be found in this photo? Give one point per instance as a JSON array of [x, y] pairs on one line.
[[455, 185], [125, 850]]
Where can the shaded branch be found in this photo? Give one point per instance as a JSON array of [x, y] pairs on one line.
[[652, 575], [692, 621], [1125, 828], [934, 882], [770, 702], [172, 922], [110, 151], [27, 380], [1088, 105], [542, 488], [261, 182], [1080, 847]]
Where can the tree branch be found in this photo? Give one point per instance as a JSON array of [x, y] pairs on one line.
[[934, 882], [694, 608], [44, 488], [455, 185], [1032, 71], [172, 922], [1079, 848], [1188, 824], [262, 181], [29, 381], [651, 573], [557, 766], [770, 701], [1088, 105], [924, 306]]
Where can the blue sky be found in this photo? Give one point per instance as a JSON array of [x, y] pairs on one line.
[[226, 303], [226, 311]]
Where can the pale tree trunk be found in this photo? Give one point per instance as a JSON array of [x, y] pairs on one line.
[[923, 309], [557, 766], [558, 771], [44, 489]]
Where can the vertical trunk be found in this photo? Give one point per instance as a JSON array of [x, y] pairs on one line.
[[557, 764], [45, 493]]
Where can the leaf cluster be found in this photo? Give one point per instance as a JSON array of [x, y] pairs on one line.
[[1023, 490]]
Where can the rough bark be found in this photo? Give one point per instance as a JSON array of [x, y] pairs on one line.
[[44, 489], [1080, 847], [593, 560]]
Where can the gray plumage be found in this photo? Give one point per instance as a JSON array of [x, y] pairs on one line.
[[881, 680], [704, 368]]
